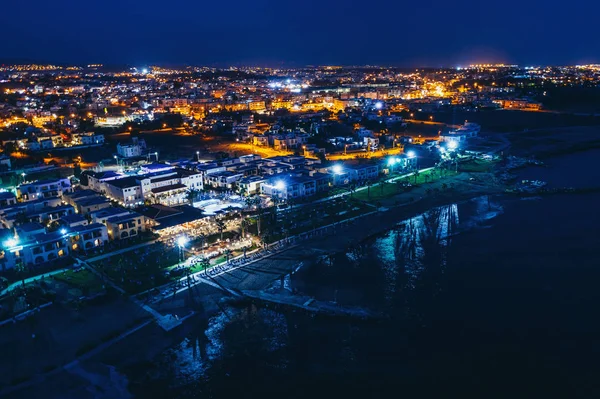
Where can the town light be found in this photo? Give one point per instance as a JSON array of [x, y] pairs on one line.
[[337, 169], [452, 144], [411, 154], [63, 231], [11, 242], [392, 161], [181, 241], [378, 105], [280, 185]]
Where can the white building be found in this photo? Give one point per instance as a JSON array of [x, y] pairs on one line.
[[43, 189], [133, 149], [87, 138]]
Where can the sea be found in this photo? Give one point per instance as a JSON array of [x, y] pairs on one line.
[[498, 296]]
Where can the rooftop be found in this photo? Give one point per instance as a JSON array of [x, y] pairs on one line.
[[177, 186]]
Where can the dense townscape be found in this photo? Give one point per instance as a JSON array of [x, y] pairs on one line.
[[144, 182], [96, 159]]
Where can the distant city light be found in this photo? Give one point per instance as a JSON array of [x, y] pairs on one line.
[[452, 144], [145, 71], [337, 169], [63, 231], [280, 185], [181, 241], [11, 242], [411, 154], [378, 105], [392, 161]]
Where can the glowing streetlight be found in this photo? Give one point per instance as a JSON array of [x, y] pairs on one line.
[[181, 241], [411, 154], [337, 169], [10, 243], [280, 185], [63, 231], [198, 156], [452, 144]]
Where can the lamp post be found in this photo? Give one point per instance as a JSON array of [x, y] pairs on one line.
[[412, 155], [198, 156], [181, 241]]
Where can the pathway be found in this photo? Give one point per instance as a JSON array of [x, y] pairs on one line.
[[30, 280]]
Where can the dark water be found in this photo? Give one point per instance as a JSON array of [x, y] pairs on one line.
[[494, 297], [577, 170]]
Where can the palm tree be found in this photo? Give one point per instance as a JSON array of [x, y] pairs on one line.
[[202, 239], [227, 254], [369, 184], [191, 195], [220, 226], [204, 264]]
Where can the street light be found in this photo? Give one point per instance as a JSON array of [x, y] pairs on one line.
[[181, 241], [391, 162], [452, 144], [63, 231], [198, 156], [412, 155], [337, 169], [11, 242]]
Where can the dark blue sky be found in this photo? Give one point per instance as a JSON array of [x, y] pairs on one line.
[[268, 32]]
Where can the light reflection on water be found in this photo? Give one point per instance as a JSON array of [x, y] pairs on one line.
[[409, 248], [194, 356], [406, 260]]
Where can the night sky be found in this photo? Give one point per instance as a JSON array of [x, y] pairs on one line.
[[296, 33]]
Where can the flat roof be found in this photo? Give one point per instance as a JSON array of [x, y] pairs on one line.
[[81, 194], [109, 212], [92, 201], [72, 218], [82, 228], [124, 183], [122, 218]]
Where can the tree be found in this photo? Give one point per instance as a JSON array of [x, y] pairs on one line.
[[227, 254], [204, 264], [192, 194], [369, 184], [220, 226], [243, 227], [77, 170], [202, 239]]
